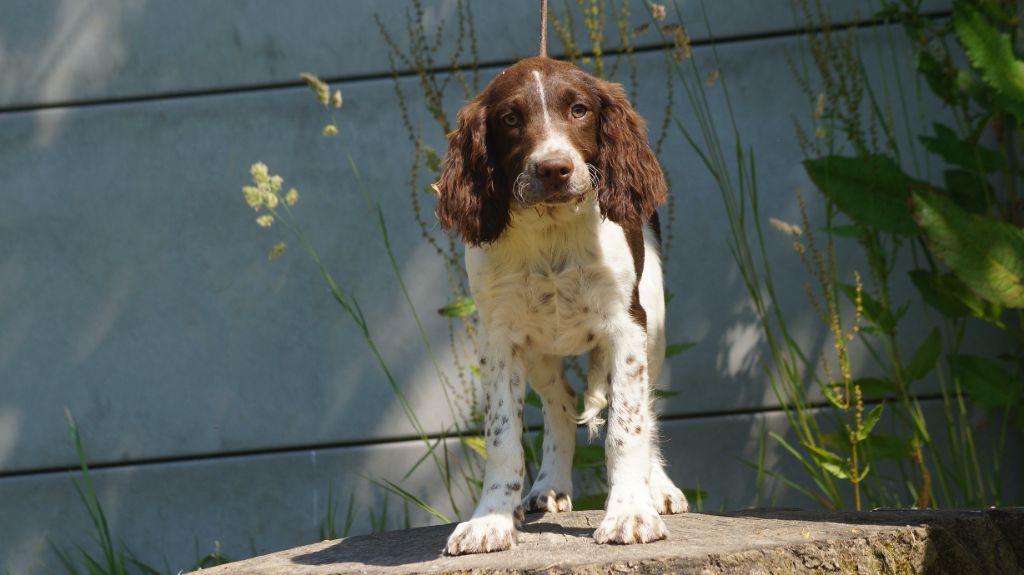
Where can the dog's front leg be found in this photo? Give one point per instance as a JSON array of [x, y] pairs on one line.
[[631, 516], [492, 527]]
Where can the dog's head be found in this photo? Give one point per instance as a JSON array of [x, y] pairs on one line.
[[546, 133]]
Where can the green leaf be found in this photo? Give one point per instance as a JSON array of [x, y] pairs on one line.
[[399, 491], [874, 447], [592, 502], [941, 76], [986, 254], [874, 388], [461, 308], [533, 399], [538, 447], [664, 393], [946, 293], [872, 190], [864, 473], [821, 454], [873, 309], [880, 446], [925, 357], [849, 231], [972, 156], [985, 381], [870, 421], [692, 494], [969, 190], [837, 469], [587, 456], [991, 53], [678, 348], [276, 251], [478, 444]]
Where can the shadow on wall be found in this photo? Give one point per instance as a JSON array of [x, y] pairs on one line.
[[77, 42]]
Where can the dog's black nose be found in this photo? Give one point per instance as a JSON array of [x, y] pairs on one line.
[[554, 172]]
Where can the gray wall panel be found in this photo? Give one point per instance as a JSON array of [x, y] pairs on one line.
[[57, 51], [226, 393], [136, 289]]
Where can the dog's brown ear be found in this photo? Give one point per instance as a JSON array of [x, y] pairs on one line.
[[470, 199], [632, 185]]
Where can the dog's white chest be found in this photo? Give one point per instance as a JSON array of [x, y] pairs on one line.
[[555, 283], [555, 309]]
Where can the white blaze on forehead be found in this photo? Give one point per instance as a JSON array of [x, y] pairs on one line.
[[543, 99]]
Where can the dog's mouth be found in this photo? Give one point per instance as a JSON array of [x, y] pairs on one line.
[[528, 191]]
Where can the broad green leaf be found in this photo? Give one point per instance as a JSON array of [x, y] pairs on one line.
[[872, 190], [986, 254], [870, 421], [874, 447], [991, 53], [588, 456], [460, 308], [971, 156], [873, 309], [985, 381], [925, 357], [874, 388], [678, 348], [879, 446], [969, 190], [851, 231], [946, 293], [941, 76]]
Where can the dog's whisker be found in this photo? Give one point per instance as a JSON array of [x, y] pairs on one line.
[[519, 186], [595, 176]]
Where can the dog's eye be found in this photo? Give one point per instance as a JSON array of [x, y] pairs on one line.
[[578, 110], [511, 120]]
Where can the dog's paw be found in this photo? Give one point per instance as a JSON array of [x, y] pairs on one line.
[[631, 524], [547, 501], [482, 535], [668, 499]]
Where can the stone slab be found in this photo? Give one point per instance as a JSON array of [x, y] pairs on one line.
[[760, 541], [167, 514]]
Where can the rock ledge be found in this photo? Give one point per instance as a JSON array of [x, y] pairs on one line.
[[756, 541]]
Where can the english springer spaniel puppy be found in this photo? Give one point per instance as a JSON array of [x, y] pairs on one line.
[[551, 183]]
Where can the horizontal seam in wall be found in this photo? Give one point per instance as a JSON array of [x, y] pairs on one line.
[[184, 94], [194, 458]]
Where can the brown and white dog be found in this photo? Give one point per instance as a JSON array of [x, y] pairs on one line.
[[551, 183]]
